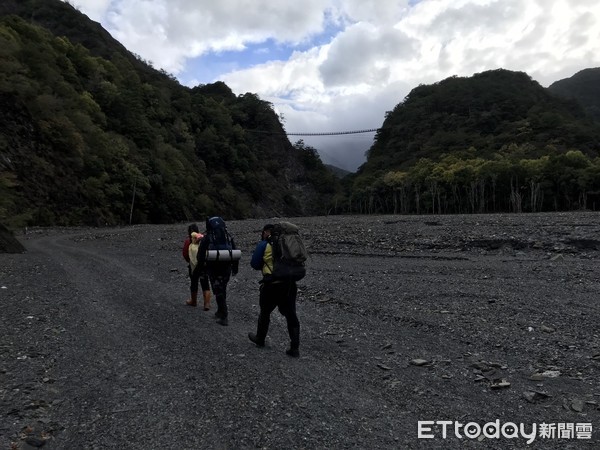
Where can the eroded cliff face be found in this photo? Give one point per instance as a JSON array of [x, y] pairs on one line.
[[289, 192]]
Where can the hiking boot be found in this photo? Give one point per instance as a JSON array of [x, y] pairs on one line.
[[293, 352], [218, 315], [256, 340], [193, 301], [223, 321], [206, 298]]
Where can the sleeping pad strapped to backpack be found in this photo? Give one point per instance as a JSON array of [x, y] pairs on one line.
[[220, 247]]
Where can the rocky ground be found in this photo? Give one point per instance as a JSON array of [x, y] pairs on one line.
[[472, 319]]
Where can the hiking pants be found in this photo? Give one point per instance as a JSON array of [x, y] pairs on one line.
[[196, 276], [218, 281], [281, 295]]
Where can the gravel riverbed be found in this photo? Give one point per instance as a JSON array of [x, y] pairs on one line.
[[472, 319]]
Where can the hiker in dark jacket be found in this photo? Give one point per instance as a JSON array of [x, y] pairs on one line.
[[274, 294], [219, 273]]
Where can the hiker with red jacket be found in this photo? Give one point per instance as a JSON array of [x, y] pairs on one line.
[[196, 272]]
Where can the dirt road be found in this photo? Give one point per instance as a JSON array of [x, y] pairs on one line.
[[469, 319]]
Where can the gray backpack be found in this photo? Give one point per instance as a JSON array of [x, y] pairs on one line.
[[289, 252]]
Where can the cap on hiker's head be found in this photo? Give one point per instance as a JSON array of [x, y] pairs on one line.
[[268, 227]]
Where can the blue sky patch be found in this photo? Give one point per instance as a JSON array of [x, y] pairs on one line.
[[207, 68]]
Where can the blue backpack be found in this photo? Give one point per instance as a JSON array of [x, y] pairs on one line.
[[220, 242]]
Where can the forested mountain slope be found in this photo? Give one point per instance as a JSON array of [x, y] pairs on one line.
[[91, 134], [496, 141]]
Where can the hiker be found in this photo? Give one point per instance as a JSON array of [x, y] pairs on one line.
[[219, 268], [274, 293], [196, 272]]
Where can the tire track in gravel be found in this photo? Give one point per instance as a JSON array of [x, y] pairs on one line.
[[124, 357]]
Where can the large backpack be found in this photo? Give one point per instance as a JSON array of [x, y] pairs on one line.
[[289, 253], [220, 245]]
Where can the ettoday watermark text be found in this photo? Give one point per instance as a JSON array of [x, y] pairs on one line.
[[444, 429]]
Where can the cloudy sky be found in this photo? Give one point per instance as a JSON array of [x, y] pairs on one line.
[[339, 65]]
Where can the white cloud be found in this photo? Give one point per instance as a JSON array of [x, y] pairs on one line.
[[363, 53], [381, 49], [95, 9], [168, 32]]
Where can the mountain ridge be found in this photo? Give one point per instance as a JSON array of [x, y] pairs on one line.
[[583, 86], [494, 142]]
